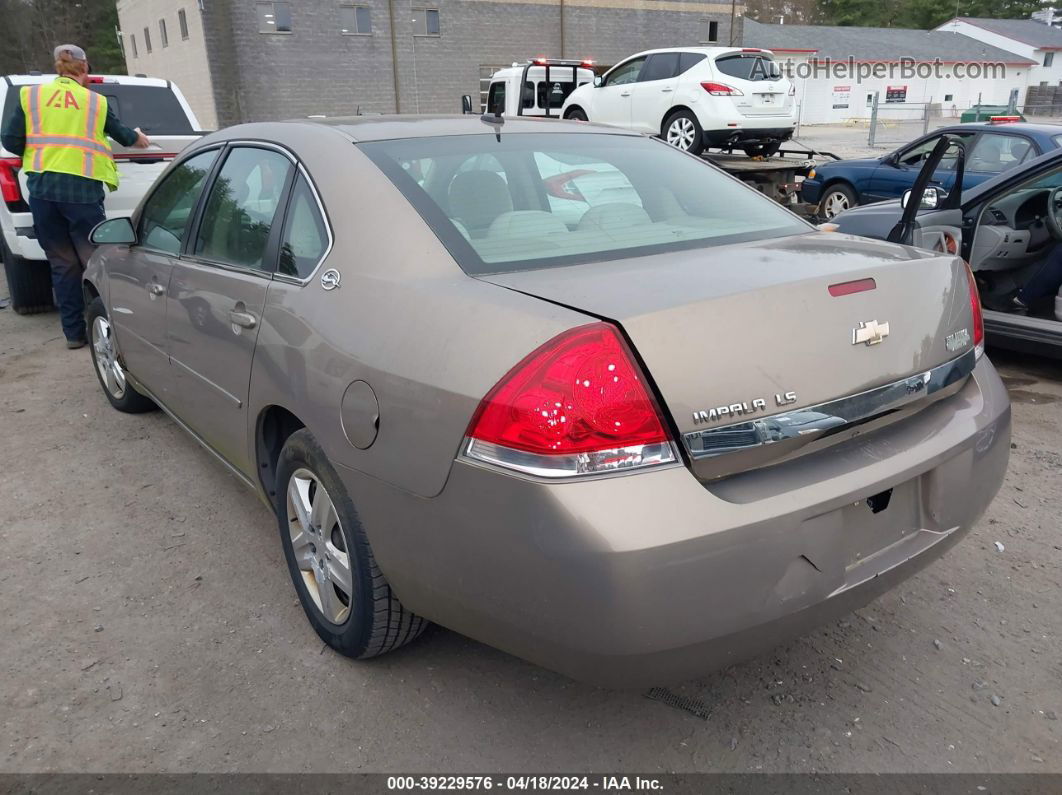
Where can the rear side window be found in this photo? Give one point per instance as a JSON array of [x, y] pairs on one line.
[[166, 212], [748, 67], [554, 92], [569, 198], [995, 153], [661, 66], [11, 102], [305, 237], [154, 109], [688, 60], [242, 207]]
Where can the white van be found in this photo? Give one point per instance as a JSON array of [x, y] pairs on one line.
[[546, 84], [154, 105]]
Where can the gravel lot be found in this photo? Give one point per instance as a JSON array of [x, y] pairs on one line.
[[149, 625]]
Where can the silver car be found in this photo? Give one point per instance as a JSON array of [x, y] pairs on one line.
[[631, 444]]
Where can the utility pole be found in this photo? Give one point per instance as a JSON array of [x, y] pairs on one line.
[[733, 15]]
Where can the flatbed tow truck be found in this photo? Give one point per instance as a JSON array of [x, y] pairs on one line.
[[547, 82]]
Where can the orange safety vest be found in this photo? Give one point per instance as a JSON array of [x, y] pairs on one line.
[[64, 131]]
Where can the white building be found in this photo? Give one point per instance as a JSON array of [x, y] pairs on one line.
[[1038, 41], [837, 70]]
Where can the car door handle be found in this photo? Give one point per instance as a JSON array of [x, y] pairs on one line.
[[156, 289], [245, 319], [666, 90], [625, 94]]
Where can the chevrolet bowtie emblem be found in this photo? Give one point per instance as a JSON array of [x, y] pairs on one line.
[[870, 332]]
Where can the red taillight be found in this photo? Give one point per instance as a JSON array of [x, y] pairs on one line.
[[975, 308], [721, 90], [9, 187], [577, 405]]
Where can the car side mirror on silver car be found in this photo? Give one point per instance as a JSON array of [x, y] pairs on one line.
[[466, 104], [931, 198], [113, 231], [597, 81]]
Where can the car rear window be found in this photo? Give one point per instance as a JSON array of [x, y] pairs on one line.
[[533, 200], [748, 67], [154, 109]]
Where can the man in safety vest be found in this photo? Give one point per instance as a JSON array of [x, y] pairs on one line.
[[60, 129]]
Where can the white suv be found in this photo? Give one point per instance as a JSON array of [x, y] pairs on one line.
[[155, 106], [695, 97]]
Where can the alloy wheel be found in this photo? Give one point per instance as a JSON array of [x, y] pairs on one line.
[[112, 374], [681, 133], [319, 546], [835, 204]]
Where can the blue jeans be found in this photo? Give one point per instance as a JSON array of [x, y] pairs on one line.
[[63, 231], [1046, 280]]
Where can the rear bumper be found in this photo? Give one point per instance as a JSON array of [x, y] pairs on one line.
[[655, 577], [747, 135], [21, 239]]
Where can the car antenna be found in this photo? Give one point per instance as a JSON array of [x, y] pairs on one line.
[[495, 120]]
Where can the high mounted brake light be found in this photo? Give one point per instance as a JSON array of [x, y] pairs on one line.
[[721, 90], [579, 405]]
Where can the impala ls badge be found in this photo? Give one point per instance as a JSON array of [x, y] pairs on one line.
[[330, 279], [745, 407], [870, 332]]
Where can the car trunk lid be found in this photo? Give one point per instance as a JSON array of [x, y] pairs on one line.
[[739, 333]]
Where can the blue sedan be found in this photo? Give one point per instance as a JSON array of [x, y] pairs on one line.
[[991, 148]]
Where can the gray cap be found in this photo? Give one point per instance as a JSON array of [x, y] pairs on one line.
[[76, 52]]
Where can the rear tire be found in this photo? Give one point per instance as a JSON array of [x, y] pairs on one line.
[[576, 114], [344, 594], [107, 362], [682, 130], [836, 199], [29, 283]]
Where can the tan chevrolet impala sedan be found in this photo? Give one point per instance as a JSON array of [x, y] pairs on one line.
[[561, 388]]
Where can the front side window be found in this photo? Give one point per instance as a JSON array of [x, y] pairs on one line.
[[355, 20], [163, 35], [274, 17], [625, 73], [496, 99], [242, 207], [165, 216], [182, 22], [660, 66], [305, 238], [426, 22], [568, 198]]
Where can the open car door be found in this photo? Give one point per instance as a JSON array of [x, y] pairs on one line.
[[932, 218]]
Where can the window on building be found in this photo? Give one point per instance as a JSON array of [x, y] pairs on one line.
[[1049, 58], [949, 97], [355, 20], [182, 22], [713, 31], [163, 35], [147, 40], [709, 31], [132, 44], [425, 22], [274, 17]]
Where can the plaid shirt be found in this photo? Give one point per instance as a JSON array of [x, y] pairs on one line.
[[51, 185]]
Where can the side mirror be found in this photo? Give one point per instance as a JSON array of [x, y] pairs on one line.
[[597, 81], [113, 231], [932, 198], [466, 104]]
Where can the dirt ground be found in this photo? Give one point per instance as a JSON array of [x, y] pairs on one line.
[[148, 624]]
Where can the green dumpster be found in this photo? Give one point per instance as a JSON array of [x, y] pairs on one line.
[[985, 112]]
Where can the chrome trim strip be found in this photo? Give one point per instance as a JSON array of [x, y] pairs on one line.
[[812, 422]]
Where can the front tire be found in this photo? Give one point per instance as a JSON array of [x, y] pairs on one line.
[[836, 199], [344, 594], [682, 130], [110, 370], [576, 114]]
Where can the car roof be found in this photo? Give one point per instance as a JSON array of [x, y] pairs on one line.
[[562, 71], [124, 80], [1014, 127], [382, 128], [704, 50]]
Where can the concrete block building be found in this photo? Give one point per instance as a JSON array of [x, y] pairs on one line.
[[243, 60]]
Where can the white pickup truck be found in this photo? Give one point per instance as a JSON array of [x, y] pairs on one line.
[[155, 106]]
